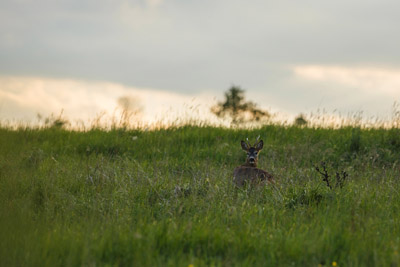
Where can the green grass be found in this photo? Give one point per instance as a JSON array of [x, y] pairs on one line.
[[165, 198]]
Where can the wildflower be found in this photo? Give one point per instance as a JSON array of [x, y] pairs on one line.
[[191, 265], [334, 263]]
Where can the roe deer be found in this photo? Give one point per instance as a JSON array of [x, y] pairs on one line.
[[248, 172]]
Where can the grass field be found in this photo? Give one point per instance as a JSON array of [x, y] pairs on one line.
[[165, 198]]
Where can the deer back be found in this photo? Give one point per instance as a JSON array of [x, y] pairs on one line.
[[250, 175]]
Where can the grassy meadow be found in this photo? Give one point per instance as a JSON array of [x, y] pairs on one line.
[[165, 197]]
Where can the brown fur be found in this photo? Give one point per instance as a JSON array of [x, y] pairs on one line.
[[248, 173]]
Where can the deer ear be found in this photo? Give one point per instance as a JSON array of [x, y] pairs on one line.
[[244, 145], [259, 145]]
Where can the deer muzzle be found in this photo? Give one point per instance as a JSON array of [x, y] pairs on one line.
[[252, 160]]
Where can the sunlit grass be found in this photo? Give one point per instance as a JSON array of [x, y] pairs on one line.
[[194, 115]]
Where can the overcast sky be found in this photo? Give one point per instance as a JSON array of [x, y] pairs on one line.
[[290, 56]]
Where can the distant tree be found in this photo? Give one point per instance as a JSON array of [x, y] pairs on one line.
[[237, 108], [56, 122], [130, 109], [300, 120]]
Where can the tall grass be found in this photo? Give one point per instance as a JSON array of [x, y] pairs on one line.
[[164, 197]]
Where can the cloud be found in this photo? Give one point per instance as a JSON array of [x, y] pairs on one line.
[[142, 17], [190, 45], [154, 3], [21, 98], [348, 89], [193, 46], [364, 79]]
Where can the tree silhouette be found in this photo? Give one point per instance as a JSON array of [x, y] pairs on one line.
[[237, 108], [300, 120], [130, 109]]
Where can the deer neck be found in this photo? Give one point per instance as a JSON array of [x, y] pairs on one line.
[[251, 165]]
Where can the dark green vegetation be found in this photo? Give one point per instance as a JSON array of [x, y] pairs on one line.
[[165, 197]]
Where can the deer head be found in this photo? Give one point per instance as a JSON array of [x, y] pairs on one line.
[[252, 151]]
